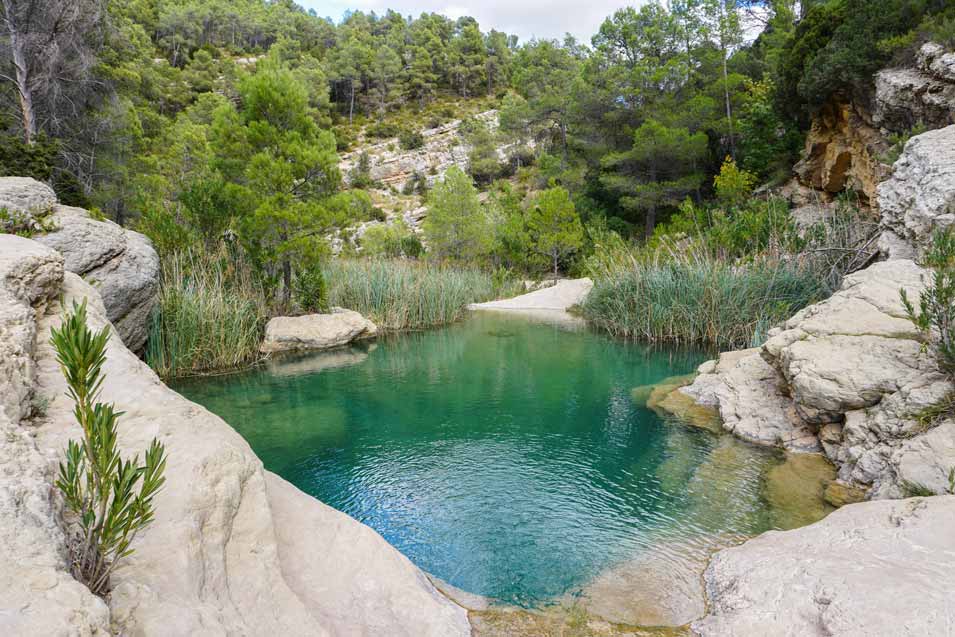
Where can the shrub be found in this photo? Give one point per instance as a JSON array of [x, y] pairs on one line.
[[309, 292], [936, 309], [382, 130], [391, 240], [411, 140], [211, 314], [360, 174], [112, 498], [733, 185]]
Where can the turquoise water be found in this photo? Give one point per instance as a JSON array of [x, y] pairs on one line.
[[505, 457]]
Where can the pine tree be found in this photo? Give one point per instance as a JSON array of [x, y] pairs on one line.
[[553, 226]]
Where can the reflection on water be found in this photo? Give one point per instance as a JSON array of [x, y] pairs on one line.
[[506, 457]]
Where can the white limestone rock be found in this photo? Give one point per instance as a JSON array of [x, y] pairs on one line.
[[24, 198], [921, 94], [38, 596], [120, 263], [316, 331], [919, 197], [872, 569], [751, 398], [850, 350]]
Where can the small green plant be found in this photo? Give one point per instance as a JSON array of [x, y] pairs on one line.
[[25, 224], [40, 405], [360, 175], [309, 290], [411, 140], [936, 309], [112, 498], [733, 185], [898, 142]]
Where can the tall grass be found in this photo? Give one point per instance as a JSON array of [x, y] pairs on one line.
[[211, 316], [695, 297], [398, 294]]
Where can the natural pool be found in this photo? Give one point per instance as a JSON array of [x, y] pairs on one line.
[[504, 456]]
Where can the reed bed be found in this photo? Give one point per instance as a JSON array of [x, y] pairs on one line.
[[696, 298], [211, 316], [400, 295]]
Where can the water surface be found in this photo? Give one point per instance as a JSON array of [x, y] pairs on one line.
[[503, 456]]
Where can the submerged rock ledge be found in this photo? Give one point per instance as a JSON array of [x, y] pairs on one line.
[[234, 548]]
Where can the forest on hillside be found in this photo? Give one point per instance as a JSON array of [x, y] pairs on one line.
[[218, 125]]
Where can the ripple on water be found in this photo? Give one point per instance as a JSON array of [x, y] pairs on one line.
[[510, 460]]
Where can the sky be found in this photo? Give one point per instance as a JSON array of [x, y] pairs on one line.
[[525, 18]]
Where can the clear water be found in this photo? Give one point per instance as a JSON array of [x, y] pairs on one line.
[[505, 457]]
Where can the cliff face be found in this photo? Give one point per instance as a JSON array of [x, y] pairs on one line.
[[843, 151], [847, 144]]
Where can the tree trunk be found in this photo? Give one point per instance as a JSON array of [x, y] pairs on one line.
[[351, 107], [24, 91], [286, 283], [650, 221], [555, 263], [729, 111]]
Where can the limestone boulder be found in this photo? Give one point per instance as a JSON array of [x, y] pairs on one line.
[[30, 275], [751, 398], [24, 199], [316, 331], [920, 195], [120, 263], [855, 347], [233, 548], [872, 569], [920, 94], [850, 376]]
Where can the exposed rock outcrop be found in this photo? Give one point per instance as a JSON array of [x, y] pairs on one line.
[[233, 549], [843, 151], [752, 401], [876, 568], [24, 198], [316, 331], [38, 596], [443, 148], [849, 375], [920, 196], [923, 94], [120, 263]]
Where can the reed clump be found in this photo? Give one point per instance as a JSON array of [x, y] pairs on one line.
[[400, 294]]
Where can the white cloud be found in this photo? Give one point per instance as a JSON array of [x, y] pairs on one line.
[[527, 19]]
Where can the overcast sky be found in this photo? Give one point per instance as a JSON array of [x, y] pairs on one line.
[[527, 18]]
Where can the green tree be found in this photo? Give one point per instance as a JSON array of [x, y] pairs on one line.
[[283, 165], [660, 169], [553, 226], [457, 226], [733, 185]]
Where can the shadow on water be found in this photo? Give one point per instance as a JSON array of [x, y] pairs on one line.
[[509, 459]]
